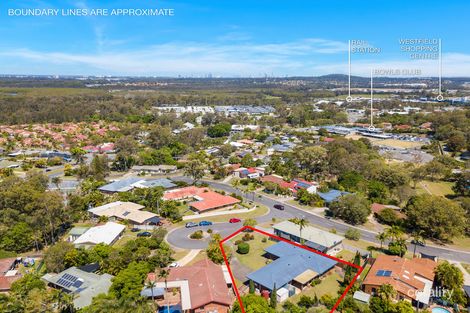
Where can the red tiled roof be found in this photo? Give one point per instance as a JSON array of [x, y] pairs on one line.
[[207, 199], [206, 283], [403, 272], [6, 281], [5, 265]]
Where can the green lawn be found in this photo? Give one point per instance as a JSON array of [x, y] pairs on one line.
[[462, 243], [254, 259], [438, 188], [329, 285], [260, 210]]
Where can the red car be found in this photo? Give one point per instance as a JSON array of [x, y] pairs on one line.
[[235, 220]]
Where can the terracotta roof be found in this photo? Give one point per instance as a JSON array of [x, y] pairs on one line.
[[206, 283], [5, 264], [402, 273], [206, 198], [6, 281]]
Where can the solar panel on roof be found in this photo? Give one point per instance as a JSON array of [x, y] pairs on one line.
[[384, 273]]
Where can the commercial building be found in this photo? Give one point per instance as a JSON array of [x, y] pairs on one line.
[[411, 279], [311, 237]]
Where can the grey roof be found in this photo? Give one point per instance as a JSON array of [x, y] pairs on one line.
[[77, 231], [157, 292], [467, 290], [361, 296], [313, 236], [292, 261], [331, 195], [160, 182], [120, 185], [82, 284]]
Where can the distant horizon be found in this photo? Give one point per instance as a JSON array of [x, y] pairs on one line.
[[232, 39], [224, 77]]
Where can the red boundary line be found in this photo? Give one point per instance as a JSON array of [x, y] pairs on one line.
[[358, 267]]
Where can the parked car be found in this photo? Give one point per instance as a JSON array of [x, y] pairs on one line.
[[134, 230], [235, 220], [191, 224], [279, 207], [144, 234], [174, 264], [205, 223]]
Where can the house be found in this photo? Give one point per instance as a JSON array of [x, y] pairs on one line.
[[204, 198], [294, 185], [251, 172], [134, 182], [83, 285], [331, 195], [281, 148], [154, 169], [292, 268], [108, 234], [202, 287], [376, 208], [310, 236], [129, 211], [241, 128], [76, 232], [8, 273], [411, 279]]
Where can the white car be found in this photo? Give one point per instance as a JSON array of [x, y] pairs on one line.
[[174, 264]]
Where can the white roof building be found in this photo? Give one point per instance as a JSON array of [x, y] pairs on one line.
[[125, 211], [107, 234]]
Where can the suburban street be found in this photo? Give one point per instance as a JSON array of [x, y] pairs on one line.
[[180, 237]]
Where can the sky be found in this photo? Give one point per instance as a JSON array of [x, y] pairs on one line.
[[243, 38]]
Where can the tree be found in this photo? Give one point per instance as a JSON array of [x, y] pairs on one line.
[[456, 142], [253, 304], [417, 239], [353, 209], [54, 257], [56, 180], [302, 223], [213, 251], [430, 214], [388, 216], [312, 160], [78, 154], [25, 284], [450, 277], [273, 297], [462, 184], [195, 169], [353, 234], [250, 222], [382, 237], [129, 282], [18, 238], [219, 130], [164, 275], [252, 287]]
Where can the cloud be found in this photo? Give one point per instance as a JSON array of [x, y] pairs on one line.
[[310, 56]]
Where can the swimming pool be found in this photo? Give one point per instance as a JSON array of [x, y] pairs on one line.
[[440, 310]]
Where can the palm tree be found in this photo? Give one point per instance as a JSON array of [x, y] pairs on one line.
[[302, 223], [151, 284], [394, 232], [382, 237], [164, 273], [417, 238]]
